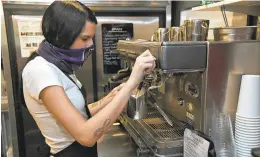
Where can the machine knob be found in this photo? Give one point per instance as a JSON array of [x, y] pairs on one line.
[[181, 102], [142, 152]]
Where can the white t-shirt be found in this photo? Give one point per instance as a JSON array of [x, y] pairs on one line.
[[37, 75]]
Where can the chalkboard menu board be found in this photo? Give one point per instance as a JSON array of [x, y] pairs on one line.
[[111, 33]]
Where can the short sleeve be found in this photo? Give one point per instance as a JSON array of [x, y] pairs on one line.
[[37, 78]]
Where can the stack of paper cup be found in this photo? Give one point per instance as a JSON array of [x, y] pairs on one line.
[[247, 124]]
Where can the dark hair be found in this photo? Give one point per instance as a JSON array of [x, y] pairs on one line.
[[63, 21]]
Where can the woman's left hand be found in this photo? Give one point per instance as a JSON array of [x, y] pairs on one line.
[[107, 99]]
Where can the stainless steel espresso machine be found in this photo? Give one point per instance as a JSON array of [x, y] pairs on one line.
[[200, 80], [153, 134]]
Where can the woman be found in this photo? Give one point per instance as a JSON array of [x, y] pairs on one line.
[[53, 94]]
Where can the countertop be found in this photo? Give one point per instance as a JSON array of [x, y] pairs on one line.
[[116, 142]]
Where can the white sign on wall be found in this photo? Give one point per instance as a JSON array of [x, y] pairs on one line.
[[30, 33]]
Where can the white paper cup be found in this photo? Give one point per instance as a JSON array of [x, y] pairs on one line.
[[244, 153], [245, 149], [249, 99], [248, 130], [246, 138], [248, 148], [242, 149], [243, 140], [247, 145], [244, 132], [256, 134], [247, 126], [247, 118], [247, 122]]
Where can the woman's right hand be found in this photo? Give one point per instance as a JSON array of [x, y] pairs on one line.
[[144, 64]]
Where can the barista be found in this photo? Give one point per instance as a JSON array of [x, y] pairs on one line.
[[52, 92]]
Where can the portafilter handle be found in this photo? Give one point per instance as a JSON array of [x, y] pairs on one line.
[[121, 74]]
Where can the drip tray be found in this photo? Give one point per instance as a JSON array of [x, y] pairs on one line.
[[158, 135]]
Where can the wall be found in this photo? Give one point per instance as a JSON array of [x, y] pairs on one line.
[[178, 7]]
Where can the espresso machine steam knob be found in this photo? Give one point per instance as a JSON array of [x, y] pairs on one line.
[[181, 102]]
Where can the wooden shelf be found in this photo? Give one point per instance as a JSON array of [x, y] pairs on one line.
[[241, 6]]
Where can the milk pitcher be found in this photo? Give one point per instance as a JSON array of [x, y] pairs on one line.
[[137, 107]]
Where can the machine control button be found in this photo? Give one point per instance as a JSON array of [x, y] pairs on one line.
[[181, 102], [191, 89]]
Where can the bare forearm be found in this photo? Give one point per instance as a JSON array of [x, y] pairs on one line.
[[96, 107], [98, 124]]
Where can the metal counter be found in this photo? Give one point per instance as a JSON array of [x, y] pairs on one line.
[[116, 142]]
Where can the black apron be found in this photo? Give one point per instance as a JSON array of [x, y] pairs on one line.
[[75, 149]]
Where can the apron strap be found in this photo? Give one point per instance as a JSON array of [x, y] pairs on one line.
[[84, 94]]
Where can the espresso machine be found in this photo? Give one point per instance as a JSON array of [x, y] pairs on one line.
[[153, 134], [201, 79], [192, 83]]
